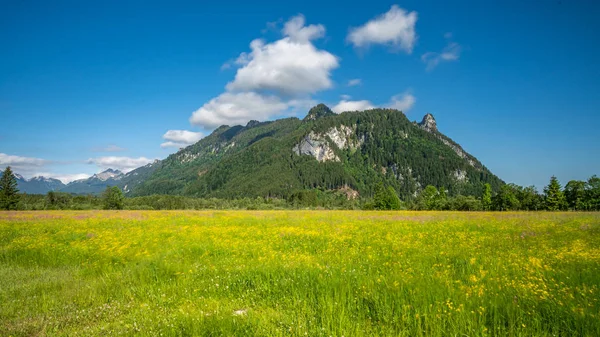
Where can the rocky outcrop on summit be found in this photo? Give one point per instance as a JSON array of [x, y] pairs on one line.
[[428, 123]]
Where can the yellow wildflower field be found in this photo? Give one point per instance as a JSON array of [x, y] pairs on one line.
[[299, 273]]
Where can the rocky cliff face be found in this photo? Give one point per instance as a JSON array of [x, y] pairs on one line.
[[319, 146], [315, 145]]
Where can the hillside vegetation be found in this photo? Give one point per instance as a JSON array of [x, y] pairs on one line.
[[353, 150]]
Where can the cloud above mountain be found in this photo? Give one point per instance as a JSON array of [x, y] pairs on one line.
[[450, 53], [273, 79], [402, 102], [180, 138], [395, 29], [16, 161]]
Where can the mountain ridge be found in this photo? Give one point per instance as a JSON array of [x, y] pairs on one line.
[[350, 151], [324, 150]]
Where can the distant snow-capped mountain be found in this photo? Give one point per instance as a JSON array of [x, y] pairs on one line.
[[94, 184], [38, 185]]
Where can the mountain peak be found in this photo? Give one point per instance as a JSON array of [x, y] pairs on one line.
[[428, 123], [252, 124], [108, 174], [318, 111]]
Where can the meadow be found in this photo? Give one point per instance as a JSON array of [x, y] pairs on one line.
[[299, 273]]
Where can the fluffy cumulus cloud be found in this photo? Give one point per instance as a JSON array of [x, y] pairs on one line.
[[124, 164], [237, 108], [180, 138], [402, 102], [273, 79], [346, 105], [354, 82], [395, 28], [20, 162], [298, 32], [290, 66], [450, 53]]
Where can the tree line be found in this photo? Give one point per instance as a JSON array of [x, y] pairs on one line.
[[576, 195]]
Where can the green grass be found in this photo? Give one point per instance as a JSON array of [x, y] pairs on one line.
[[299, 273]]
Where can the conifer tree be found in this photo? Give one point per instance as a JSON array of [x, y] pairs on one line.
[[9, 197], [486, 199], [554, 198]]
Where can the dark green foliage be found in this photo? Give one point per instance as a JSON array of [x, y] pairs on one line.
[[306, 198], [510, 197], [592, 194], [486, 198], [575, 194], [464, 203], [257, 160], [113, 198], [9, 197], [429, 199], [506, 199], [385, 198], [554, 199], [58, 200]]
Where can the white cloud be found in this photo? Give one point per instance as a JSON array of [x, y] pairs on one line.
[[180, 138], [345, 105], [289, 66], [395, 28], [165, 145], [353, 82], [18, 161], [237, 108], [124, 164], [297, 32], [31, 167], [273, 79], [450, 53], [345, 97], [402, 102]]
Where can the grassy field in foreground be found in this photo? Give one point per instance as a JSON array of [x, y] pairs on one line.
[[299, 273]]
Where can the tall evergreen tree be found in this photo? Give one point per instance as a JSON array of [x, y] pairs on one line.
[[486, 199], [9, 197], [554, 199]]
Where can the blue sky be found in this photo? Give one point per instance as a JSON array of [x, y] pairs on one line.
[[88, 86]]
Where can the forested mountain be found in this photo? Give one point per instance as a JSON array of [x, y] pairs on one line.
[[352, 151]]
